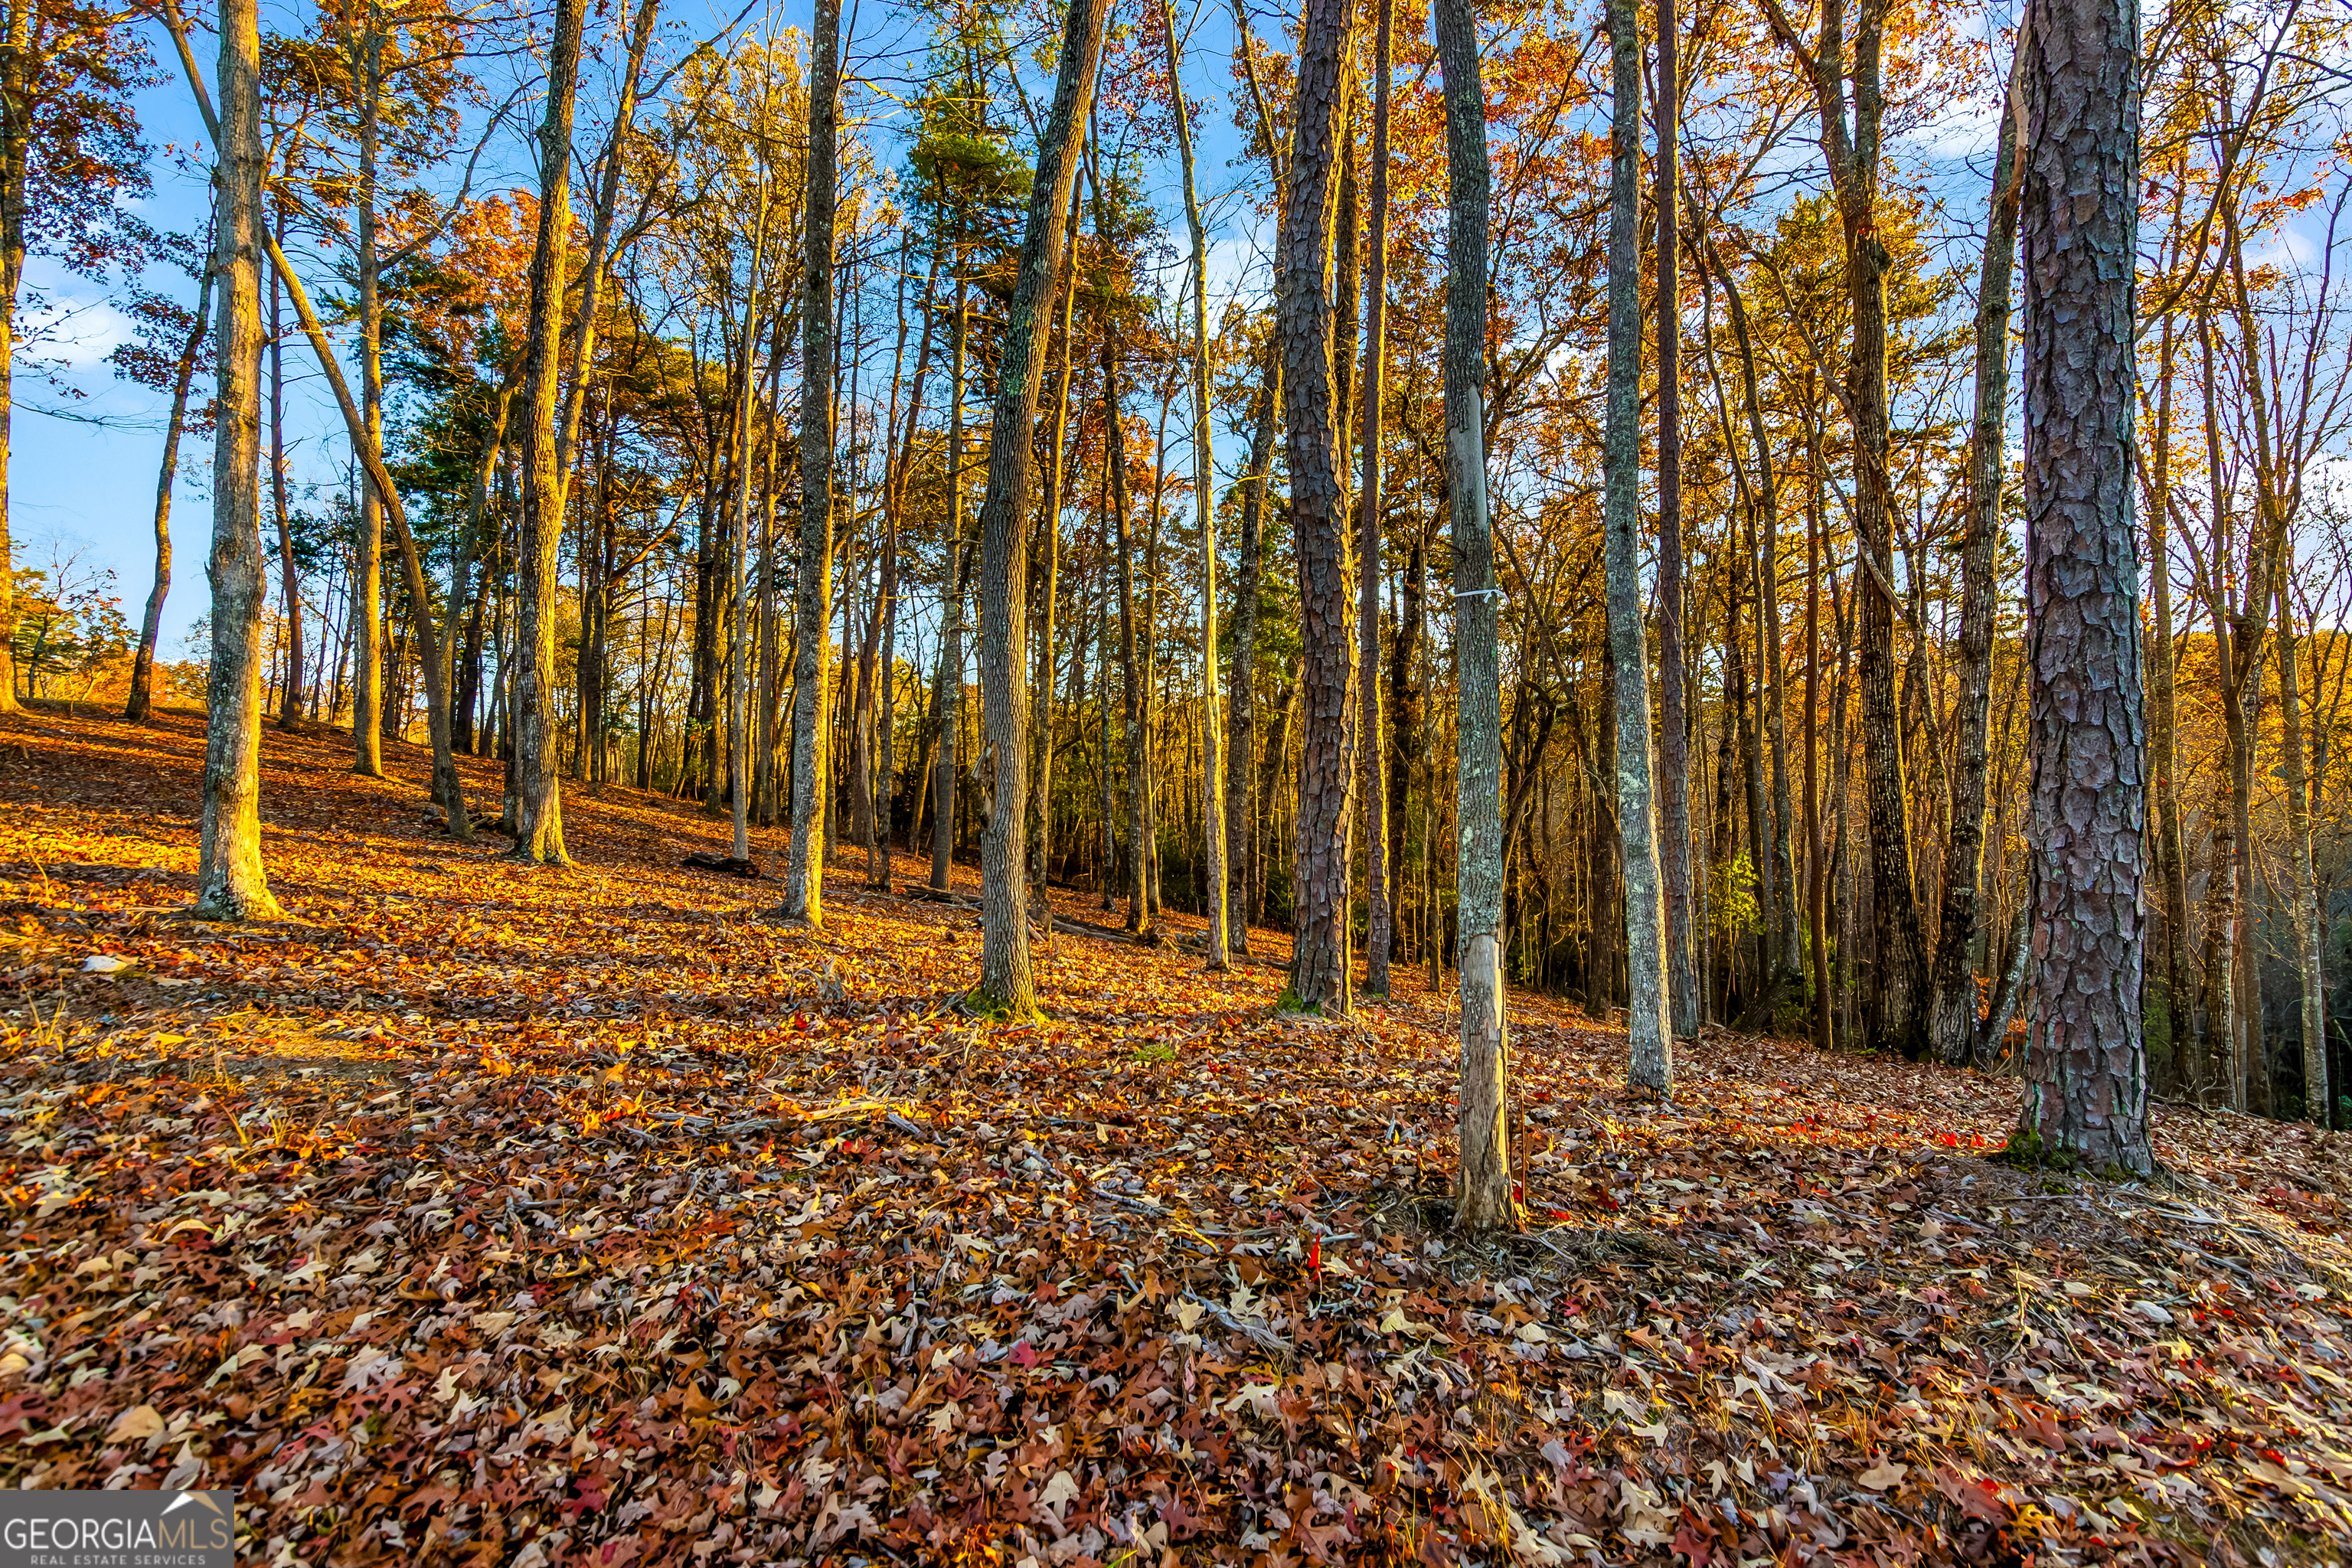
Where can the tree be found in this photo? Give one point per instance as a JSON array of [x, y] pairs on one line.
[[1483, 1199], [230, 881], [1651, 1066], [141, 700], [1895, 1001], [70, 156], [811, 752], [2086, 1093], [1673, 757], [1379, 921], [539, 812], [1006, 984], [1319, 978], [1213, 813], [1952, 1021]]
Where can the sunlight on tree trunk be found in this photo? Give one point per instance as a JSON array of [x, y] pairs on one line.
[[1320, 978], [1006, 986], [230, 881]]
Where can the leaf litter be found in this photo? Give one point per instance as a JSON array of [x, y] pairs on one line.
[[498, 1216]]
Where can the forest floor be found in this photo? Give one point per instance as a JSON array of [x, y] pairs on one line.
[[483, 1213]]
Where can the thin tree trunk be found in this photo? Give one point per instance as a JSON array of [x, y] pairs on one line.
[[369, 718], [230, 881], [1006, 984], [1039, 819], [2164, 730], [1131, 673], [741, 624], [1212, 815], [2303, 897], [1952, 1020], [1313, 408], [1647, 1024], [289, 579], [947, 695], [2086, 1069], [1246, 876], [1371, 785], [1483, 1191], [151, 626]]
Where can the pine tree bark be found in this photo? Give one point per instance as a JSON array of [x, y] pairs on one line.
[[539, 812], [141, 700], [1483, 1197], [813, 588], [231, 883], [1006, 984], [1952, 1019], [1647, 1025], [1319, 980], [2086, 1069]]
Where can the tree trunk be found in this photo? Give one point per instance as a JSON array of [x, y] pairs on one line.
[[1213, 814], [1370, 783], [1895, 1004], [1320, 979], [539, 823], [151, 626], [1039, 820], [1674, 720], [230, 881], [2303, 897], [289, 579], [1246, 876], [947, 694], [2163, 730], [1484, 1200], [2086, 1069], [368, 715], [1647, 1024], [1006, 984], [1953, 1018], [16, 67], [740, 626], [813, 595]]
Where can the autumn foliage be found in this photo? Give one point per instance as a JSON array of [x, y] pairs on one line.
[[472, 1214]]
